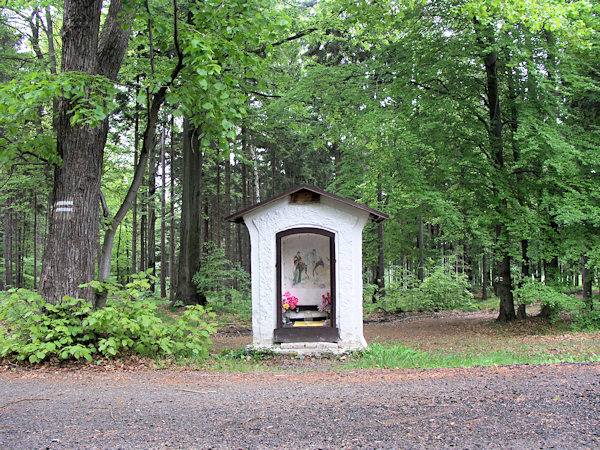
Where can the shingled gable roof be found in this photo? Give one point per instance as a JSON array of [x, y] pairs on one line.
[[376, 216]]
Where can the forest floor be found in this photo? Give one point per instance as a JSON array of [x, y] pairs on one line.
[[456, 333]]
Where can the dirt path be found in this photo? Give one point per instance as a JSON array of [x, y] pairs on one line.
[[513, 406]]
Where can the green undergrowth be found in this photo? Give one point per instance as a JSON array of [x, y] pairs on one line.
[[398, 356], [34, 330]]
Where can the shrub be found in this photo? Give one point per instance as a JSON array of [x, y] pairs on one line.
[[587, 320], [533, 291], [36, 330], [442, 290]]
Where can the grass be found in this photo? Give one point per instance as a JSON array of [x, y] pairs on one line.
[[398, 356]]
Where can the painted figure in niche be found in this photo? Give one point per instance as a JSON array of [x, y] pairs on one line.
[[299, 267], [319, 263], [311, 259]]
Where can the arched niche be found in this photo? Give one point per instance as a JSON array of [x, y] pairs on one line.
[[306, 286]]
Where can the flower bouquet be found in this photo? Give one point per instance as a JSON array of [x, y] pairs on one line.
[[288, 303], [325, 303]]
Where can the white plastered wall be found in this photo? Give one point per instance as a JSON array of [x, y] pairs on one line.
[[347, 223]]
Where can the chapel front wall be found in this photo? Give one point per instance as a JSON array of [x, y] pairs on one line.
[[347, 223]]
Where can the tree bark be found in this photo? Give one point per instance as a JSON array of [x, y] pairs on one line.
[[380, 268], [69, 259], [173, 278], [525, 272], [163, 222], [420, 243], [586, 280], [504, 282], [35, 239], [134, 231], [191, 220], [151, 239], [485, 278], [217, 223], [8, 239], [227, 207]]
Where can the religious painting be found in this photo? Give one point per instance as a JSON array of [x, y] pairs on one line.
[[306, 279]]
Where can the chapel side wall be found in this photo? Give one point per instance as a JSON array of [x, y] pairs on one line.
[[347, 224], [350, 287]]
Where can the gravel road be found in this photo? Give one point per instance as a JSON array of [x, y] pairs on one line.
[[521, 406]]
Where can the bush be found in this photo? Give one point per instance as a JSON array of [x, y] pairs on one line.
[[587, 320], [442, 290], [533, 291], [392, 302], [36, 330]]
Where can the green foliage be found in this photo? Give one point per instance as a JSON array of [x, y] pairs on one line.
[[137, 289], [215, 279], [587, 320], [393, 301], [533, 291], [35, 330], [443, 289]]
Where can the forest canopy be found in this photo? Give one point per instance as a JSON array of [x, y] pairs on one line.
[[130, 129]]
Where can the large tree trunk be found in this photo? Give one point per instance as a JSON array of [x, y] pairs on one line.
[[191, 220], [504, 282], [69, 258]]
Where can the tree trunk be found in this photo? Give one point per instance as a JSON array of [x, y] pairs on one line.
[[217, 223], [586, 280], [69, 258], [151, 238], [227, 207], [8, 238], [163, 222], [380, 268], [191, 220], [522, 309], [134, 231], [551, 271], [255, 169], [504, 282], [35, 239], [420, 243], [143, 227], [485, 278], [507, 308], [173, 278]]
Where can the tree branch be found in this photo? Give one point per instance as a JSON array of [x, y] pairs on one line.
[[105, 210]]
